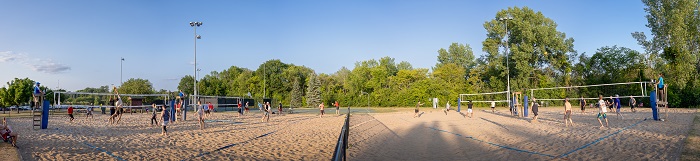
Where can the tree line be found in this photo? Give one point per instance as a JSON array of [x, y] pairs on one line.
[[539, 56]]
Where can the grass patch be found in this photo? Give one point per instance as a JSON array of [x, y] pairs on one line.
[[691, 150]]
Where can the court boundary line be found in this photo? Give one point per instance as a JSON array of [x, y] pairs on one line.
[[537, 153]]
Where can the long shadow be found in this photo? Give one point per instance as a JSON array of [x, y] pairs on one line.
[[495, 123], [416, 142]]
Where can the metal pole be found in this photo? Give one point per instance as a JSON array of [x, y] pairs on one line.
[[507, 63], [195, 62], [264, 81], [121, 71]]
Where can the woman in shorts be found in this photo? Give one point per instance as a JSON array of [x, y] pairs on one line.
[[165, 117]]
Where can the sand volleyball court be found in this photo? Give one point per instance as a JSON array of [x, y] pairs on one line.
[[373, 136]]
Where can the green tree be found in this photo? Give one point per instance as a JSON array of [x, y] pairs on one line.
[[136, 86], [536, 48], [675, 46], [273, 81], [186, 84], [18, 92], [296, 94], [4, 102], [459, 54], [313, 94], [212, 85]]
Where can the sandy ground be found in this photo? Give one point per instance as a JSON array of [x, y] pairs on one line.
[[383, 136], [498, 136]]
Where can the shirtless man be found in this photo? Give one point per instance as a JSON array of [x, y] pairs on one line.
[[321, 106], [567, 113]]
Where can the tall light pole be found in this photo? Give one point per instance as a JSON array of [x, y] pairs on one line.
[[505, 20], [195, 25], [121, 71]]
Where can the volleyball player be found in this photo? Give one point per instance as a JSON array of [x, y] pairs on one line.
[[602, 111]]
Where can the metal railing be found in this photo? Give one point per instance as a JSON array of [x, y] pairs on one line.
[[342, 145]]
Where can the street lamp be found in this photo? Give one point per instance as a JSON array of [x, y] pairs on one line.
[[505, 19], [195, 25], [121, 71]]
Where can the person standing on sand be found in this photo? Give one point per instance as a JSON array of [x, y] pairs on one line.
[[633, 103], [240, 109], [618, 106], [153, 114], [321, 106], [535, 109], [493, 106], [582, 102], [601, 112], [266, 112], [567, 113], [470, 105], [200, 114], [89, 112], [70, 113], [246, 108], [337, 108], [416, 111], [164, 117], [447, 107], [279, 109]]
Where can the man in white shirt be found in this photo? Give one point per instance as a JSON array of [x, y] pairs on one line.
[[601, 111]]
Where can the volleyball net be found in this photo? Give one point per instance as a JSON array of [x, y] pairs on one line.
[[497, 97], [219, 101], [83, 100], [592, 92]]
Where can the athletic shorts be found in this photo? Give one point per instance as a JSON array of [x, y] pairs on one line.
[[416, 111], [493, 107], [165, 123], [323, 112], [567, 115], [469, 110], [71, 115], [240, 110], [267, 114], [534, 113], [583, 107], [617, 110], [602, 115]]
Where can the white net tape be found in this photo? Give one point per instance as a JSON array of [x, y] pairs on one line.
[[625, 90], [485, 97]]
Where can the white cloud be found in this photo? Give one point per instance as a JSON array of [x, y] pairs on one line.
[[10, 56], [39, 65]]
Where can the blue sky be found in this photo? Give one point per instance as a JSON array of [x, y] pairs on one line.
[[80, 42]]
